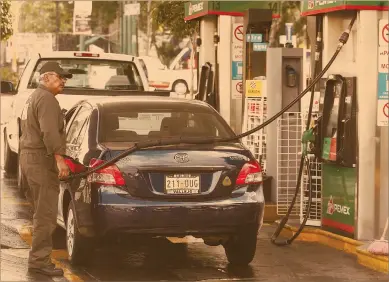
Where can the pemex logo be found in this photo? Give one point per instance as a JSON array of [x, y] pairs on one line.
[[330, 206], [190, 12], [311, 4]]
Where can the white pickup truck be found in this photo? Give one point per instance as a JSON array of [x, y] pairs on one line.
[[176, 78], [104, 74]]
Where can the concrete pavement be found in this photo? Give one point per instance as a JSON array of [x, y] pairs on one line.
[[163, 260]]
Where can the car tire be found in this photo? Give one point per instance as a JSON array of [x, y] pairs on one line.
[[240, 248], [10, 159], [180, 87], [78, 247]]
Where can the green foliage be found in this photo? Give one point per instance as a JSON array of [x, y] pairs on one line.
[[41, 16], [103, 14], [170, 16], [6, 19], [291, 12], [145, 16], [7, 74]]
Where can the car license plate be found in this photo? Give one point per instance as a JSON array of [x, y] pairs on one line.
[[182, 184]]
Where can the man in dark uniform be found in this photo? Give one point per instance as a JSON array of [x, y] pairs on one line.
[[42, 145]]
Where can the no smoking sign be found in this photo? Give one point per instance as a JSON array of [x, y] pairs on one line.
[[239, 87], [383, 33], [238, 34], [382, 113]]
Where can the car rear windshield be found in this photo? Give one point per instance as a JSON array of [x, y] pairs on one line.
[[95, 74], [147, 124]]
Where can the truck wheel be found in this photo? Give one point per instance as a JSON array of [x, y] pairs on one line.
[[78, 247], [10, 160], [180, 87], [240, 248]]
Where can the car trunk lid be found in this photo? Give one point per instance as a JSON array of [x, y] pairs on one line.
[[182, 171]]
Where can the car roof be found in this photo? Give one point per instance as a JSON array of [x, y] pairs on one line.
[[145, 100], [101, 56]]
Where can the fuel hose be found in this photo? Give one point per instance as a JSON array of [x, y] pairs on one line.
[[304, 160], [200, 140]]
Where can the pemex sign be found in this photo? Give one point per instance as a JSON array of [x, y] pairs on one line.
[[314, 7], [196, 9]]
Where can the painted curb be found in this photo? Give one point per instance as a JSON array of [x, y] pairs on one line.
[[25, 232], [351, 246]]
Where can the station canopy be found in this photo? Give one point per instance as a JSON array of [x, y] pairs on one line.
[[198, 9]]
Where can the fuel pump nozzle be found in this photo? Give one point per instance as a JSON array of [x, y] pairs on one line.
[[308, 140]]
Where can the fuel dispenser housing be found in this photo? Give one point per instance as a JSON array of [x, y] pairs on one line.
[[336, 148], [338, 123], [280, 62]]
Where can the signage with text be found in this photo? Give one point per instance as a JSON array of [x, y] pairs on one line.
[[237, 70], [82, 17], [257, 38], [259, 47], [383, 81], [313, 7], [237, 52], [383, 33], [254, 88]]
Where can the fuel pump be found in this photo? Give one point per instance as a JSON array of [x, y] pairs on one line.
[[337, 124], [308, 137]]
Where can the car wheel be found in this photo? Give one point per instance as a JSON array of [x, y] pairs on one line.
[[10, 159], [180, 87], [77, 246], [240, 248]]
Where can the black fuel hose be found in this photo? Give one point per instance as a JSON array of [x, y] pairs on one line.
[[304, 159], [342, 40], [199, 140]]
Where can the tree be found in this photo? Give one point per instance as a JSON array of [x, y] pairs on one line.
[[6, 19], [104, 13], [290, 13], [41, 17], [170, 16]]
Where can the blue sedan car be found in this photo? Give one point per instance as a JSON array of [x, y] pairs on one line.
[[213, 192]]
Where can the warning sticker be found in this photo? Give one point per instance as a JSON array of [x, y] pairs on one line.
[[382, 113], [383, 64], [238, 34], [236, 90], [254, 88], [383, 33]]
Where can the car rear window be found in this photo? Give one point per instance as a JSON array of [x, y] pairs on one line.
[[95, 74], [144, 124]]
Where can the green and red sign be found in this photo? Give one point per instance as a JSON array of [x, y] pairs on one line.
[[314, 7], [338, 196], [197, 9]]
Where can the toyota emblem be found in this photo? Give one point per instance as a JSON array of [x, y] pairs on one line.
[[181, 157]]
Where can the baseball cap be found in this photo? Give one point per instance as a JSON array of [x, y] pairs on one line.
[[55, 67]]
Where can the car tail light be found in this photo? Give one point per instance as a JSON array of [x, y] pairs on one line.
[[159, 84], [110, 175], [251, 173], [81, 54]]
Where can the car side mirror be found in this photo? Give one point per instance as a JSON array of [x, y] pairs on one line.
[[7, 87], [64, 111]]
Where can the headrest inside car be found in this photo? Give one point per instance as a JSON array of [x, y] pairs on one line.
[[111, 122], [170, 123]]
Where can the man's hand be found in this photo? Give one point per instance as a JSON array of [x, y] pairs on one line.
[[62, 167]]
